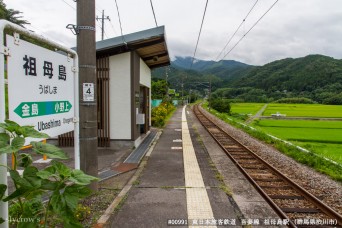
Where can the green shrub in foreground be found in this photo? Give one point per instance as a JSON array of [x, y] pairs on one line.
[[62, 186], [160, 113]]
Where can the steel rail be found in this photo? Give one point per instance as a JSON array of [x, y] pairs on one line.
[[307, 195]]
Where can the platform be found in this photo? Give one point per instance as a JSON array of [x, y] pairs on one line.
[[179, 184]]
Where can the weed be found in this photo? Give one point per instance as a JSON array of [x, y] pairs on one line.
[[226, 189], [82, 212], [122, 202], [211, 164], [173, 187], [136, 182], [219, 176]]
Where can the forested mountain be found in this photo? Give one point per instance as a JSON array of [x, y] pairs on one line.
[[315, 77], [225, 69], [303, 74]]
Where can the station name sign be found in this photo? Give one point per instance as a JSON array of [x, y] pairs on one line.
[[40, 87]]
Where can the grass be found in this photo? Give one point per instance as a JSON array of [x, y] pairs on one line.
[[121, 203], [219, 176], [136, 182], [309, 159], [226, 190], [328, 150], [305, 110]]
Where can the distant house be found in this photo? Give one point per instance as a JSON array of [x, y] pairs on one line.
[[278, 114], [124, 84]]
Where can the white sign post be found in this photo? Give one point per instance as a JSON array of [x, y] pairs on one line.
[[42, 89]]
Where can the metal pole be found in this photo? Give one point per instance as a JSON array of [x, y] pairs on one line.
[[3, 157], [102, 28], [77, 114], [87, 70]]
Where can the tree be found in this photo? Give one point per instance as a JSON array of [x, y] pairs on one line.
[[11, 15], [220, 105], [159, 89]]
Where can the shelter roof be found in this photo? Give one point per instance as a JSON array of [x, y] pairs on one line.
[[149, 44]]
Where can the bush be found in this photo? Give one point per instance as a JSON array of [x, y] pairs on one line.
[[159, 114], [220, 105], [334, 100]]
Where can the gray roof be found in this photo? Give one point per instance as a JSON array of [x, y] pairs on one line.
[[149, 44], [132, 37]]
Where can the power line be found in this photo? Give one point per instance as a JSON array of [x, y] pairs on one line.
[[199, 34], [96, 18], [154, 15], [69, 4], [243, 21], [99, 6], [46, 35], [111, 24], [250, 29], [117, 8], [105, 34], [98, 10]]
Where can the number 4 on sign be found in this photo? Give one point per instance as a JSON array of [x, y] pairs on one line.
[[88, 92]]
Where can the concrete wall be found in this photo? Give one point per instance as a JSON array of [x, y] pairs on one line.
[[145, 74], [120, 96], [145, 79]]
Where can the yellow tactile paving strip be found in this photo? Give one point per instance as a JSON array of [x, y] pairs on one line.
[[198, 204]]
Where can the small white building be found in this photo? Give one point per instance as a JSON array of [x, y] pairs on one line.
[[124, 84]]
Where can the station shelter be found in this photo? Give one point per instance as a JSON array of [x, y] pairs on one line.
[[123, 71]]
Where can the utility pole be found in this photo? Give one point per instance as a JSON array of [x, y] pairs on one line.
[[209, 93], [189, 96], [102, 18], [182, 84], [182, 92], [86, 50], [167, 86]]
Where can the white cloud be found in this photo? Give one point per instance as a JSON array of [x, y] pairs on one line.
[[291, 29]]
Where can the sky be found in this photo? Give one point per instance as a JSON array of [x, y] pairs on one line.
[[292, 28]]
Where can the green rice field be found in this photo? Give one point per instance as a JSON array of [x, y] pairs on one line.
[[305, 110], [321, 137], [246, 108]]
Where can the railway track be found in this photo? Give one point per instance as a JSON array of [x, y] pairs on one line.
[[289, 200]]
